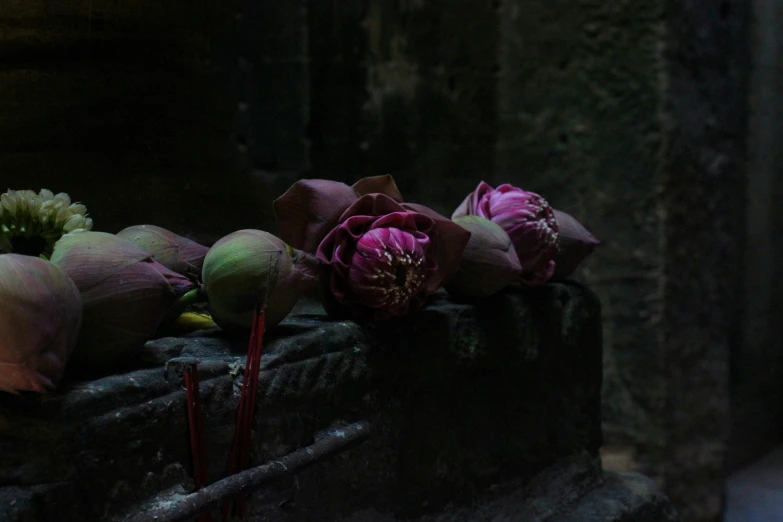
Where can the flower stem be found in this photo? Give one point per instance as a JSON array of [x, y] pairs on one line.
[[191, 297]]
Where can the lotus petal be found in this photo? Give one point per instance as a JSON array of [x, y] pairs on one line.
[[378, 185], [575, 244], [309, 209]]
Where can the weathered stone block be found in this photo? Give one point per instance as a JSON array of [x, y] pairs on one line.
[[458, 397]]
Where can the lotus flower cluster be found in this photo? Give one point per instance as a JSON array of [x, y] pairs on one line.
[[380, 257], [547, 242], [92, 299]]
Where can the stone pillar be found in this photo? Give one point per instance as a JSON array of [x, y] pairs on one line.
[[633, 117], [758, 365]]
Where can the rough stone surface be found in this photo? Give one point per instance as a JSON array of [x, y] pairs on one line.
[[558, 495], [460, 397], [703, 187]]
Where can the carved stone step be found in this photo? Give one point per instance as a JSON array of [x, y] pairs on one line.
[[462, 401]]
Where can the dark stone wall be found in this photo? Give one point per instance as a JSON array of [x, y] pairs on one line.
[[581, 97], [703, 193], [116, 104], [406, 88]]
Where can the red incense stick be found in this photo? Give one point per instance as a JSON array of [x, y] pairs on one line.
[[196, 429], [239, 456]]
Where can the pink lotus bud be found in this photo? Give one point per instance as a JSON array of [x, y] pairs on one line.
[[489, 262], [126, 295], [529, 221], [173, 251], [40, 318], [253, 266]]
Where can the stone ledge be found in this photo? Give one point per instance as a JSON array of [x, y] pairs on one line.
[[460, 398], [560, 494]]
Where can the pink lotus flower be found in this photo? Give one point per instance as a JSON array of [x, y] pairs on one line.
[[529, 221], [382, 257], [40, 319]]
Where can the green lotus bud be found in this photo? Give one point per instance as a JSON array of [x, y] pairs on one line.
[[173, 251], [126, 295], [251, 266], [40, 317], [489, 262], [32, 223]]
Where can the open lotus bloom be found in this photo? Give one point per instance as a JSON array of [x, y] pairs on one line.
[[489, 263], [252, 266], [126, 295], [381, 257], [40, 318], [528, 220], [171, 250]]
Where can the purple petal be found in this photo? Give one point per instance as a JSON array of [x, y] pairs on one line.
[[309, 210], [388, 269], [449, 240], [378, 185], [470, 205]]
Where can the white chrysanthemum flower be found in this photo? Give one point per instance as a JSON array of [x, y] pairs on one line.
[[32, 223]]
